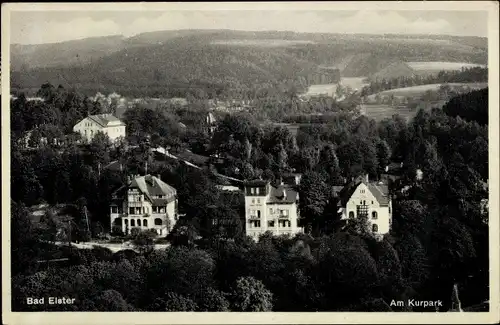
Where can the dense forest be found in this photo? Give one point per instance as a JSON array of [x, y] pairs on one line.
[[223, 63], [439, 235]]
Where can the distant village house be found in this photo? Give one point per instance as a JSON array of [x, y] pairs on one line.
[[108, 124]]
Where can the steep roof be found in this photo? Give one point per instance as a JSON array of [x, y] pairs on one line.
[[105, 119], [152, 186], [282, 195], [379, 191], [257, 182]]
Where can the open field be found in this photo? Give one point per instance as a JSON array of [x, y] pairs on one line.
[[356, 83], [380, 112], [325, 89], [420, 90], [441, 66]]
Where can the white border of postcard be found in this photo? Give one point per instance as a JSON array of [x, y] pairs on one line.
[[492, 7]]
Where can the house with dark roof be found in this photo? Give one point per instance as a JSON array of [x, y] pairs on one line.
[[365, 198], [270, 208], [146, 202], [108, 124]]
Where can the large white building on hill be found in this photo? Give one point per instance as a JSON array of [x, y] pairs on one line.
[[146, 202], [108, 124], [269, 208]]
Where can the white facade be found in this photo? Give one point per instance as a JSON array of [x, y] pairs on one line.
[[267, 209], [105, 123], [364, 200], [136, 206]]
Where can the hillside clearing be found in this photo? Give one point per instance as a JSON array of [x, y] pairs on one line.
[[420, 90], [442, 66]]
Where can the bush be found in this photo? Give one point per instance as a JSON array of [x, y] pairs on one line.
[[134, 232], [250, 294], [144, 241]]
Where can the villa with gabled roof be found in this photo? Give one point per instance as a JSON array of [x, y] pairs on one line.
[[146, 202], [108, 124], [363, 197]]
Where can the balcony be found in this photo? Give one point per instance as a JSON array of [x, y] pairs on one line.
[[254, 217], [134, 204]]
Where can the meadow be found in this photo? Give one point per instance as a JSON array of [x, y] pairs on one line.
[[420, 90], [441, 66], [379, 112]]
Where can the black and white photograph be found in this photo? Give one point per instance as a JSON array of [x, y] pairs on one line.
[[267, 158]]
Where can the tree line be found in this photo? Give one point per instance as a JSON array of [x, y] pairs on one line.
[[439, 236], [465, 75]]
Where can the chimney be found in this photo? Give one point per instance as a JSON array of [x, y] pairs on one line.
[[367, 179], [283, 194], [158, 176]]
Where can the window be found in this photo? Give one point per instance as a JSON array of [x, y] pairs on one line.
[[114, 209], [375, 227], [138, 222], [270, 223], [362, 210], [364, 202], [131, 210], [145, 222], [258, 214], [270, 210], [372, 202], [158, 222], [362, 191], [252, 190], [257, 190], [160, 196], [253, 201], [258, 201], [284, 223], [374, 215], [162, 210], [126, 222], [351, 214], [132, 223]]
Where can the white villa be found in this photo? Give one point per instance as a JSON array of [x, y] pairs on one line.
[[269, 208], [110, 125], [369, 199], [146, 202]]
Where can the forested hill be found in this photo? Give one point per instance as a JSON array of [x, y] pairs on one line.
[[166, 63]]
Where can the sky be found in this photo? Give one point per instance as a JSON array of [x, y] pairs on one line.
[[36, 27]]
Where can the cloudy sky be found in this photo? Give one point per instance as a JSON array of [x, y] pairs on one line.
[[35, 27]]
